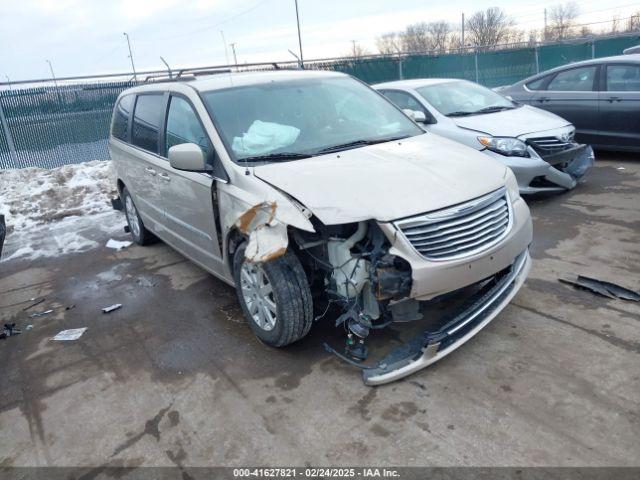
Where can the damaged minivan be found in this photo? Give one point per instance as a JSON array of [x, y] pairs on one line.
[[306, 190]]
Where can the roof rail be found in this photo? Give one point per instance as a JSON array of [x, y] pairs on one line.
[[185, 75]]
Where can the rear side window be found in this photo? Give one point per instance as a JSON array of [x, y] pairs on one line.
[[537, 84], [183, 126], [146, 122], [623, 78], [574, 80], [120, 124]]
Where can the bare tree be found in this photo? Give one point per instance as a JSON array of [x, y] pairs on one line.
[[490, 27], [439, 33], [633, 24], [357, 51], [615, 24], [389, 43], [563, 18], [415, 38]]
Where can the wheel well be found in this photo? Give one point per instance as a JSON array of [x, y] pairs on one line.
[[120, 186], [234, 239]]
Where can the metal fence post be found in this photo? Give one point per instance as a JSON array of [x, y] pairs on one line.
[[477, 75], [8, 136], [400, 72], [537, 59], [593, 49]]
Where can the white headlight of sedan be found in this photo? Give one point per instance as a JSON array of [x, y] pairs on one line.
[[509, 146]]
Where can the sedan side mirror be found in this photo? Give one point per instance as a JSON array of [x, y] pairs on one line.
[[189, 157], [415, 115]]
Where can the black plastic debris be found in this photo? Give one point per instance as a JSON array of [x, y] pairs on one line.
[[9, 330], [601, 287], [3, 232], [35, 301], [111, 308]]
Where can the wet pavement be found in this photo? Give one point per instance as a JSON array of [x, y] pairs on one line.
[[175, 377]]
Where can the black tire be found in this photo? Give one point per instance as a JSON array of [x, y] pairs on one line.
[[292, 296], [138, 231]]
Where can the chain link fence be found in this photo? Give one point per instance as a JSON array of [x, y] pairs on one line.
[[57, 124]]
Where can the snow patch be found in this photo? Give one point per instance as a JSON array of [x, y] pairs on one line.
[[63, 210]]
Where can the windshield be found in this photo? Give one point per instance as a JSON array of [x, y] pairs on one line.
[[285, 120], [464, 98]]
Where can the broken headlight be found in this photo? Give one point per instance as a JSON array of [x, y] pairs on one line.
[[509, 146]]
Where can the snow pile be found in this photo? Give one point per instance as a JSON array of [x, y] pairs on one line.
[[63, 210], [34, 196]]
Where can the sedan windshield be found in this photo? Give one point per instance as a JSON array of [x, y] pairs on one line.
[[462, 98], [294, 119]]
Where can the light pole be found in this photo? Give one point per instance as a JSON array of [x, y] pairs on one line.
[[299, 36], [135, 77], [235, 58], [53, 75], [226, 50]]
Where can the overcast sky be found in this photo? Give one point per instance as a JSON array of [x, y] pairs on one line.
[[86, 36]]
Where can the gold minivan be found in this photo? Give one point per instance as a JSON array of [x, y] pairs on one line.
[[309, 189]]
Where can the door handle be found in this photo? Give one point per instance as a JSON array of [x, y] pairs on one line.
[[613, 99], [165, 177], [543, 99], [150, 171]]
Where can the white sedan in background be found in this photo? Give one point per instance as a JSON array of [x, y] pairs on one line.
[[537, 145]]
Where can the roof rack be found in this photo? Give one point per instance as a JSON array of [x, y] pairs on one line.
[[185, 74]]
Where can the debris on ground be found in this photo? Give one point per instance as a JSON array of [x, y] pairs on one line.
[[41, 314], [10, 330], [620, 168], [3, 232], [601, 287], [36, 301], [117, 244], [29, 327], [71, 334], [111, 308]]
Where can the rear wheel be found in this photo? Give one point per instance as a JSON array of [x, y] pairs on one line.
[[140, 234], [275, 298]]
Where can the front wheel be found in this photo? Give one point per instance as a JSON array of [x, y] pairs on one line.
[[275, 297]]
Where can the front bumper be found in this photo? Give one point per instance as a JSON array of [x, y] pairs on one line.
[[431, 346], [536, 175]]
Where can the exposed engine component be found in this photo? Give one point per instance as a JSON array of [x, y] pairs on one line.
[[361, 276]]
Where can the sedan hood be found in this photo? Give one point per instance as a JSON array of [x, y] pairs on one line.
[[512, 123], [386, 181]]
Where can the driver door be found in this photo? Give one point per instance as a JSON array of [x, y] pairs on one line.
[[187, 197]]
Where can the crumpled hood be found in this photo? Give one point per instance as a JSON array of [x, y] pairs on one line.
[[512, 123], [387, 181]]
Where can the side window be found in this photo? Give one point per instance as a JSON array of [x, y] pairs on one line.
[[623, 78], [120, 124], [183, 126], [574, 80], [405, 100], [146, 121], [537, 84]]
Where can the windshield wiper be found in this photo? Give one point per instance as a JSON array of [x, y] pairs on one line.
[[359, 143], [274, 157], [460, 114], [494, 108]]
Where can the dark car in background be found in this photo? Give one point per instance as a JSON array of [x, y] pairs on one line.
[[601, 97]]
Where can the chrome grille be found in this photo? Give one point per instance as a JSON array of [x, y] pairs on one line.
[[462, 230], [549, 145]]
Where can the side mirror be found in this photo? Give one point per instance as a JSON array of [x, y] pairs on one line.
[[415, 115], [189, 157]]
